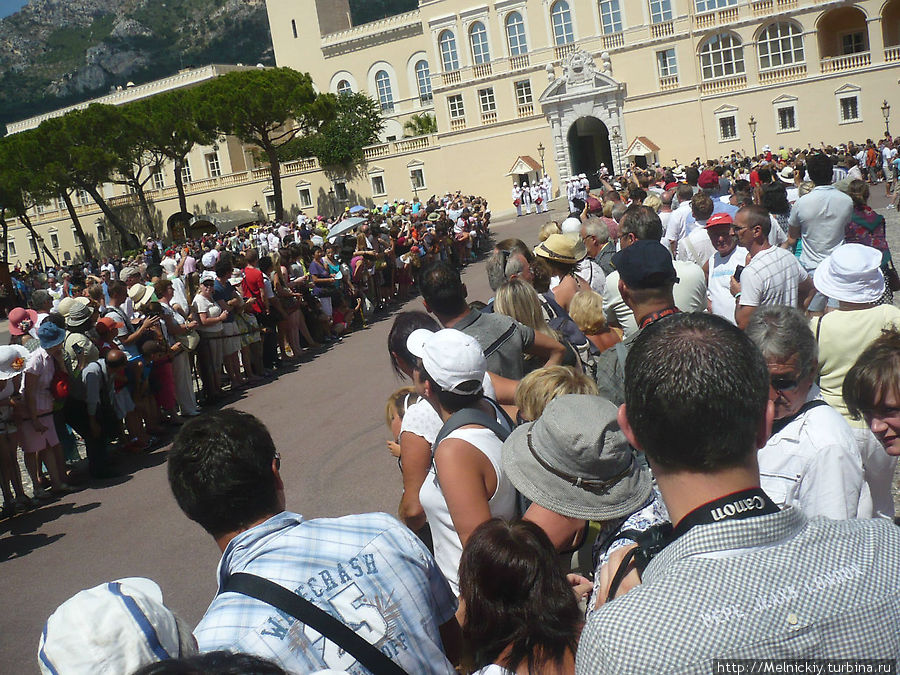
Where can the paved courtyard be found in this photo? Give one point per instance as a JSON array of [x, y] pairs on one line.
[[327, 420]]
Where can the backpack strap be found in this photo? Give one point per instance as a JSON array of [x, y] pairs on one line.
[[495, 345], [306, 612], [468, 416]]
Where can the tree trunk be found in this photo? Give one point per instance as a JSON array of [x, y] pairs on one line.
[[129, 240], [5, 226], [76, 223], [27, 222], [179, 185], [145, 208], [275, 171]]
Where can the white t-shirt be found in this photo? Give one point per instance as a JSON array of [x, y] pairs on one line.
[[773, 277], [212, 309], [676, 228], [721, 270], [696, 247]]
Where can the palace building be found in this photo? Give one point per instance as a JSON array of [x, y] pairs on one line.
[[523, 87]]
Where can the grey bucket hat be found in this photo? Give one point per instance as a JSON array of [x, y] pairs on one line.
[[575, 461]]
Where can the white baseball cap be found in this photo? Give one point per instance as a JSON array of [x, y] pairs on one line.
[[116, 627], [451, 358]]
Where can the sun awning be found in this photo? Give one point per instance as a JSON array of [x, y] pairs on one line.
[[228, 220]]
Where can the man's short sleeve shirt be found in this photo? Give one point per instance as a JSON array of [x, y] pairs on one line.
[[367, 571], [504, 341], [773, 277]]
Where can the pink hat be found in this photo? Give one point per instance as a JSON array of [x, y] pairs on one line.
[[17, 316]]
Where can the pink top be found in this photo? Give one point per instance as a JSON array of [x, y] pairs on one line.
[[41, 363], [190, 265]]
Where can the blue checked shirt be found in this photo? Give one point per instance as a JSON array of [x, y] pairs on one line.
[[368, 571]]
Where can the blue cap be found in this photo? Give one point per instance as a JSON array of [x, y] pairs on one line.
[[50, 334], [645, 264]]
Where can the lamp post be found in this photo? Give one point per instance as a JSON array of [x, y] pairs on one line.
[[333, 206], [541, 150], [886, 111], [617, 141], [752, 124]]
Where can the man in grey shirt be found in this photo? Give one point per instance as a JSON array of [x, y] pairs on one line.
[[738, 578], [504, 341]]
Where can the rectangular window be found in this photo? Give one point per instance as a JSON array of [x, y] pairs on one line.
[[186, 172], [727, 128], [11, 247], [40, 208], [611, 16], [417, 176], [305, 198], [270, 204], [212, 165], [660, 11], [455, 104], [523, 92], [378, 185], [849, 109], [340, 191], [33, 244], [84, 198], [159, 179], [486, 100], [710, 5], [60, 203], [787, 118], [853, 43], [101, 233], [665, 61], [294, 27], [54, 241]]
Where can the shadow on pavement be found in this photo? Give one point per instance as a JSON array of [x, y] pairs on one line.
[[23, 538]]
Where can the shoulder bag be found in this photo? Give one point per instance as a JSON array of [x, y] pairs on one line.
[[304, 611]]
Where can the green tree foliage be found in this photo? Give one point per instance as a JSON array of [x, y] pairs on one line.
[[172, 126], [339, 143], [364, 11], [420, 125], [268, 108]]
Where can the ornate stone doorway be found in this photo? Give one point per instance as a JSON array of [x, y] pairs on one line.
[[583, 107]]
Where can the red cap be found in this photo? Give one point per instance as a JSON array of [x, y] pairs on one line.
[[708, 179], [719, 219], [671, 185], [106, 325]]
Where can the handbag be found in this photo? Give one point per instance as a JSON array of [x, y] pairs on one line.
[[190, 340], [321, 621], [891, 277]]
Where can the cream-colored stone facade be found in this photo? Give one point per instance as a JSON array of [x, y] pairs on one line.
[[579, 80]]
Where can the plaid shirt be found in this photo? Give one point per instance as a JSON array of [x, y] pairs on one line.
[[774, 586], [366, 570]]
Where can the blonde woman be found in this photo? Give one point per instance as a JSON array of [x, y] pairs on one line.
[[586, 310], [518, 299], [541, 386], [547, 229]]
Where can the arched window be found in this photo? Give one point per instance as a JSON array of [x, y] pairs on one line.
[[561, 19], [780, 44], [515, 34], [343, 87], [481, 53], [423, 80], [721, 56], [449, 57], [383, 88]]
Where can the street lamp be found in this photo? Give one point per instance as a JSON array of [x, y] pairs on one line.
[[541, 151], [886, 111], [617, 141], [752, 124], [333, 204]]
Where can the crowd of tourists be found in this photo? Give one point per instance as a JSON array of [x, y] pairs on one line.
[[111, 352], [665, 444]]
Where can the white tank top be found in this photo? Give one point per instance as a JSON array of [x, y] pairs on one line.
[[447, 546], [718, 282]]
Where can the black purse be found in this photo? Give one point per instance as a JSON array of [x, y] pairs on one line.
[[303, 610]]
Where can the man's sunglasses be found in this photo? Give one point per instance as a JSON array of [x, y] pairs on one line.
[[780, 383]]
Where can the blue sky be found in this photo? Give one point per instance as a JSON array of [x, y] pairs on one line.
[[7, 7]]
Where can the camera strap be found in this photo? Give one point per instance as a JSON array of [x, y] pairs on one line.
[[735, 506]]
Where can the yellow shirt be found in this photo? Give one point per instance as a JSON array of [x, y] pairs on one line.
[[842, 337]]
